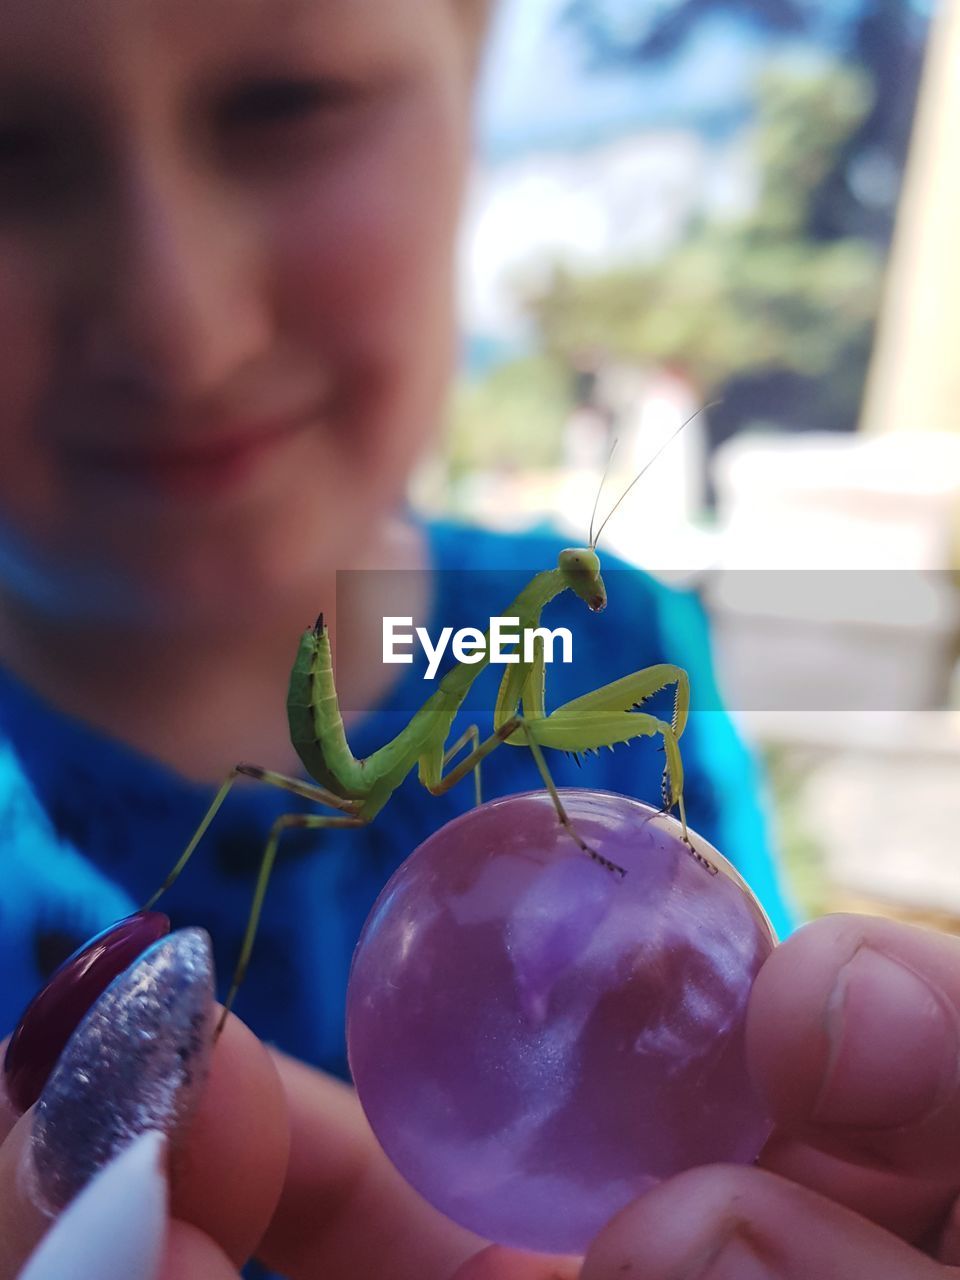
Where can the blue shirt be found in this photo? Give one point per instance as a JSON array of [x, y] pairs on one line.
[[90, 828]]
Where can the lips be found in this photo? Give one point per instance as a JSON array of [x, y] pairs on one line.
[[202, 466]]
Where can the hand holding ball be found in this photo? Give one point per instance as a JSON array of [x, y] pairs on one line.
[[537, 1040]]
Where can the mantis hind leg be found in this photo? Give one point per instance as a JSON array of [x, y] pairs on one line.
[[286, 822], [308, 790]]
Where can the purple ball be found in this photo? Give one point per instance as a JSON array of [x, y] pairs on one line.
[[537, 1040]]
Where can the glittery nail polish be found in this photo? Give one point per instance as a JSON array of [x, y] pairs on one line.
[[54, 1013], [116, 1226], [137, 1061]]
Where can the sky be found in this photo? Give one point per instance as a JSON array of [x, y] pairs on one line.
[[541, 92]]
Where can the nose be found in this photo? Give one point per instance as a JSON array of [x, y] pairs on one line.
[[175, 303]]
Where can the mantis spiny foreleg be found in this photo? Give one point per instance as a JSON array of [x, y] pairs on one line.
[[631, 692], [470, 734]]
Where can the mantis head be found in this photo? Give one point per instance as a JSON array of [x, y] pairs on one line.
[[580, 568]]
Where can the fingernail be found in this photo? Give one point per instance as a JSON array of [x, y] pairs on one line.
[[116, 1226], [894, 1045], [137, 1061], [729, 1256], [54, 1013]]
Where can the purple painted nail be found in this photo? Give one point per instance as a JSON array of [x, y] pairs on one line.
[[52, 1016], [137, 1061]]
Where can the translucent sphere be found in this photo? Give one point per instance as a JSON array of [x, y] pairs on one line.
[[537, 1040]]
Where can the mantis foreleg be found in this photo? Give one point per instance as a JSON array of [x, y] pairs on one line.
[[590, 730], [431, 763], [551, 786], [587, 730], [631, 692], [471, 734]]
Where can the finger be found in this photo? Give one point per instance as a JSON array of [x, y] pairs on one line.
[[228, 1177], [118, 1226], [192, 1255], [733, 1223], [947, 1246], [225, 1178], [21, 1222], [344, 1208], [8, 1114], [497, 1263], [910, 1207], [853, 1038]]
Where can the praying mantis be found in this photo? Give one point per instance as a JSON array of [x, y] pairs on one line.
[[357, 789]]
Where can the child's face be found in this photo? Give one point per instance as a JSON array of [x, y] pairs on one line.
[[226, 233]]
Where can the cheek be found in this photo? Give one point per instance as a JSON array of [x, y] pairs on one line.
[[367, 265], [25, 363]]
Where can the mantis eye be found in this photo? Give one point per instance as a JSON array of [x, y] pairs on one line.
[[582, 561], [580, 567]]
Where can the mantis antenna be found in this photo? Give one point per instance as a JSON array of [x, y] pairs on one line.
[[603, 481], [642, 472]]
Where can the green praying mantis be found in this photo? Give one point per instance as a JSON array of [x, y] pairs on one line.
[[357, 789]]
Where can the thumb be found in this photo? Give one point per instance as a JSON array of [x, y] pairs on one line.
[[136, 1061], [853, 1037], [227, 1174], [117, 1226]]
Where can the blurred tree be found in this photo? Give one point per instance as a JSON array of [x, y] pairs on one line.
[[647, 30], [775, 323], [885, 39], [858, 195], [511, 419], [775, 314]]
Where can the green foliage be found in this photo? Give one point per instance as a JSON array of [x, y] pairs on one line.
[[804, 120], [743, 296], [511, 418], [753, 296], [724, 302], [797, 844]]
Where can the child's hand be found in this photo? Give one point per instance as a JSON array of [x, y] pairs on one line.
[[228, 1180], [271, 1140], [852, 1052], [825, 1008], [854, 1037]]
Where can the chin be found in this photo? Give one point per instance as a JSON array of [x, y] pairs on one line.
[[167, 587], [226, 592]]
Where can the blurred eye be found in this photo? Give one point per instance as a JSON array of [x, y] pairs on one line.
[[36, 165], [280, 102], [23, 148]]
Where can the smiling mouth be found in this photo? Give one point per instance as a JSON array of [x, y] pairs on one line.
[[197, 468]]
